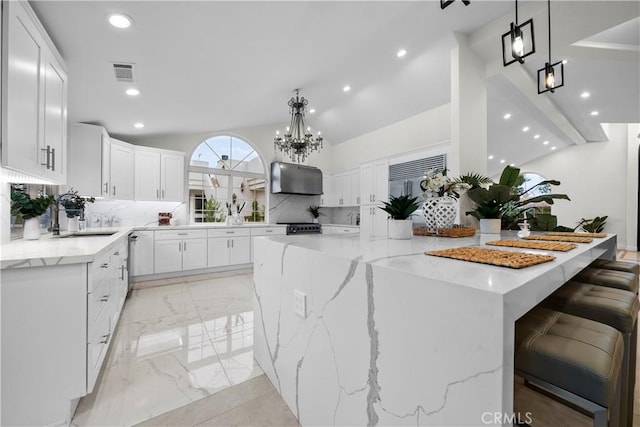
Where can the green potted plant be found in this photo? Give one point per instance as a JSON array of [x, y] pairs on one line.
[[315, 212], [400, 210], [30, 210], [74, 204], [501, 205]]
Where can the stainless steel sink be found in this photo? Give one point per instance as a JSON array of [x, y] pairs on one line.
[[88, 234]]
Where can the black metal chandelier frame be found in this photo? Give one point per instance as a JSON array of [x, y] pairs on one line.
[[551, 76], [298, 142], [519, 42]]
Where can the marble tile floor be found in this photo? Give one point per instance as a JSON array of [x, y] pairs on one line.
[[182, 356], [175, 344]]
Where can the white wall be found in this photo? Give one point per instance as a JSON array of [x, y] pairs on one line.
[[600, 178], [418, 132]]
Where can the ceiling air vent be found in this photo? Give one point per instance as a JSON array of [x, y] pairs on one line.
[[124, 72]]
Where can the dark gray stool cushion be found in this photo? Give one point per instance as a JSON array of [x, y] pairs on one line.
[[626, 266], [575, 354], [608, 278], [613, 307]]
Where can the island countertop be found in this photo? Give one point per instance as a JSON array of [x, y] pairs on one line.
[[353, 330]]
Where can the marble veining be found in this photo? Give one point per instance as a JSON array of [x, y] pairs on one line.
[[391, 336]]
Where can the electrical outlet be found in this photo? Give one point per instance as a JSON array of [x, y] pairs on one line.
[[300, 303]]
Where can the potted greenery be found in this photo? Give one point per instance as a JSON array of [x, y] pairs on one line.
[[30, 210], [74, 204], [500, 205], [315, 212], [400, 210]]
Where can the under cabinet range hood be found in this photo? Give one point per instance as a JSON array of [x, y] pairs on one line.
[[291, 178]]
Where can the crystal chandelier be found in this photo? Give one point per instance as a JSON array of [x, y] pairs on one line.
[[297, 142]]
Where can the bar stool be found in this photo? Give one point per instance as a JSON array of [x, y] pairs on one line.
[[613, 307], [609, 278], [626, 266], [576, 360]]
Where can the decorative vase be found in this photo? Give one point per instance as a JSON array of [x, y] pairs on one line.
[[490, 225], [439, 212], [401, 229], [72, 224], [316, 220], [31, 229]]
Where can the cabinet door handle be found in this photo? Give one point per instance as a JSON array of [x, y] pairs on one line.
[[116, 253], [232, 243], [179, 246], [105, 338], [48, 161], [53, 159], [122, 268], [184, 246], [157, 194], [227, 243], [163, 193], [114, 190], [106, 187]]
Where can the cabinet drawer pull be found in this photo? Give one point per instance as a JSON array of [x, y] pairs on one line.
[[105, 265], [269, 231], [183, 234], [231, 232], [116, 253], [105, 298], [105, 338]]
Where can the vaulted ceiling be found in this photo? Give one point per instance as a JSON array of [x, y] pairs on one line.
[[210, 65]]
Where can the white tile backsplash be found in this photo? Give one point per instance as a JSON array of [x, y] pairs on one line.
[[291, 207], [131, 213]]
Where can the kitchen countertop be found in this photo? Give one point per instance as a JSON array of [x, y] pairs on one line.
[[381, 334], [53, 250]]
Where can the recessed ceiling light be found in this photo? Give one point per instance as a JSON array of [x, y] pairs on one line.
[[545, 143], [132, 92], [525, 129], [490, 157], [502, 161], [119, 20], [585, 95], [138, 125], [507, 116], [313, 110], [347, 88], [594, 113], [536, 136], [553, 148], [401, 53]]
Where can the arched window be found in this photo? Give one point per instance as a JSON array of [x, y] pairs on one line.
[[226, 179]]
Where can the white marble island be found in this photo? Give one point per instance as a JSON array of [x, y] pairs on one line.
[[392, 336]]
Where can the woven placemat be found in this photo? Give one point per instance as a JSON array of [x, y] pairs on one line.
[[561, 239], [547, 246], [446, 232], [566, 233], [492, 256]]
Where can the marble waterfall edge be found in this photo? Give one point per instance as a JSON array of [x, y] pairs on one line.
[[377, 347]]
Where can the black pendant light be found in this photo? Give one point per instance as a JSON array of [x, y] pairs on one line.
[[518, 42], [445, 3], [551, 76]]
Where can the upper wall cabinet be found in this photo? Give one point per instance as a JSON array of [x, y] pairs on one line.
[[159, 174], [121, 170], [34, 110], [90, 160]]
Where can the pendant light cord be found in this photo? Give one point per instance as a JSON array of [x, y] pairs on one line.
[[516, 12], [549, 16]]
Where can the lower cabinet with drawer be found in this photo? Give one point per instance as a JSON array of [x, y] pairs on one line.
[[57, 324], [178, 250], [229, 246]]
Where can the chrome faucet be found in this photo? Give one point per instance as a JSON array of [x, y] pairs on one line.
[[55, 217]]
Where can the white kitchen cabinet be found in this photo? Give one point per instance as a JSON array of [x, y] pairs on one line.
[[342, 189], [121, 170], [354, 178], [159, 175], [374, 182], [180, 250], [373, 221], [327, 197], [142, 253], [147, 174], [34, 116], [89, 152], [229, 246], [340, 229]]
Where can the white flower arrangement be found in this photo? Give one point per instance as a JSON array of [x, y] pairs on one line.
[[436, 183]]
